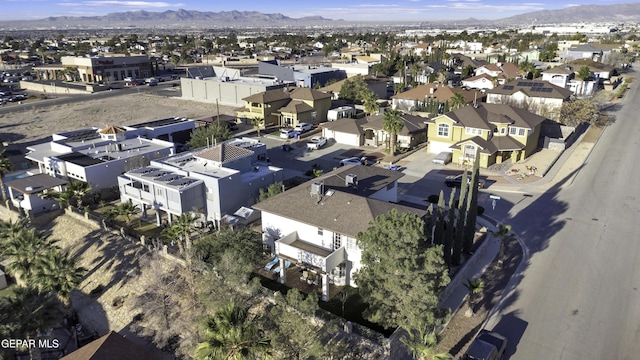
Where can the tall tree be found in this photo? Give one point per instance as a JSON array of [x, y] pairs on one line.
[[392, 124], [184, 225], [209, 135], [370, 102], [579, 111], [584, 74], [127, 209], [472, 207], [25, 252], [231, 333], [459, 235], [395, 247], [450, 229], [5, 167], [257, 123], [77, 190], [58, 272]]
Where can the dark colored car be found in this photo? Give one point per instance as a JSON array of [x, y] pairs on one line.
[[488, 345], [456, 180]]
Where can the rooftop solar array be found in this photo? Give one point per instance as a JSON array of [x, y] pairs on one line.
[[80, 135], [508, 87], [160, 122], [535, 86], [80, 159]]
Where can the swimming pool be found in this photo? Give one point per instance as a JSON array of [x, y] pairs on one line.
[[16, 175]]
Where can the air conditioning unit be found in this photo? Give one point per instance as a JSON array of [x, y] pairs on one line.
[[351, 180], [317, 188]]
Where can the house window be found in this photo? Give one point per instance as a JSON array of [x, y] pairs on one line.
[[512, 130], [503, 131], [145, 187], [469, 152], [351, 244], [320, 231], [337, 241], [159, 192], [473, 131], [443, 130], [521, 132], [342, 270]]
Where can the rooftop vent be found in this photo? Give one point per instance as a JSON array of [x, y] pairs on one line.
[[351, 180], [317, 188]]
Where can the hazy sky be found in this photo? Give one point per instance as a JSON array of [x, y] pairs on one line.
[[362, 10]]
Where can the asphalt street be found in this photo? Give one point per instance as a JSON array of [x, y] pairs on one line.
[[577, 296]]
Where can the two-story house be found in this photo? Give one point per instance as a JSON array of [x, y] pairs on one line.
[[539, 97], [98, 156], [559, 75], [495, 132], [214, 181], [415, 99], [286, 107], [315, 225]]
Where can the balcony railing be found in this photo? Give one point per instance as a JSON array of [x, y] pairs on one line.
[[307, 253]]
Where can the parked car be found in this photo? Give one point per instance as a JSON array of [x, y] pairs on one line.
[[353, 161], [129, 79], [232, 125], [488, 345], [152, 81], [303, 128], [456, 180], [287, 133], [443, 158], [316, 142]]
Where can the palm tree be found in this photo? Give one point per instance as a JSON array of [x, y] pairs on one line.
[[10, 229], [231, 334], [25, 251], [183, 225], [458, 101], [370, 102], [257, 122], [59, 272], [503, 233], [63, 198], [77, 190], [30, 311], [392, 124], [5, 167], [422, 345], [127, 209], [475, 288]]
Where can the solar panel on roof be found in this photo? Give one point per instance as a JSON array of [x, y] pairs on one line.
[[547, 90], [522, 83], [508, 87]]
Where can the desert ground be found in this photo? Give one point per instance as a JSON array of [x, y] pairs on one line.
[[29, 125]]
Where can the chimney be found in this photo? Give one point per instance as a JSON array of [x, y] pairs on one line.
[[432, 90]]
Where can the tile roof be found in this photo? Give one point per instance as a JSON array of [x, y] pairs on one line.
[[564, 70], [109, 347], [441, 92], [412, 124], [223, 153], [111, 130], [346, 125], [342, 209]]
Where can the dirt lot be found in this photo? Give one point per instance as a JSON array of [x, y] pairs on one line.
[[28, 125]]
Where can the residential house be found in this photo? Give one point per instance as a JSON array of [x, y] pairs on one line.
[[415, 99], [480, 82], [369, 131], [495, 132], [26, 193], [559, 75], [586, 51], [315, 225], [539, 97], [98, 156], [502, 72], [108, 347], [286, 107], [213, 182], [377, 85]]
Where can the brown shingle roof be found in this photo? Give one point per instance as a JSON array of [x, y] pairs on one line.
[[532, 88], [223, 153], [347, 210], [268, 96], [296, 107], [109, 347], [308, 94], [484, 116]]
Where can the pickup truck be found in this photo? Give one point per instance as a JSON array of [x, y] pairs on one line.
[[316, 143], [488, 345]]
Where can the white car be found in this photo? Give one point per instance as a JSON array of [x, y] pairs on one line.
[[316, 142], [353, 161], [442, 158], [303, 127], [287, 133]]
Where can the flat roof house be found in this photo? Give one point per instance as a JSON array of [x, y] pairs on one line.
[[213, 181]]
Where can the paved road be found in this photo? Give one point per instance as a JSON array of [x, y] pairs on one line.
[[578, 296]]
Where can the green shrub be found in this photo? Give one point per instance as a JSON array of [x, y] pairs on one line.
[[433, 199]]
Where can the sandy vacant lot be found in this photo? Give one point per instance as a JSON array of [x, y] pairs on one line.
[[28, 125]]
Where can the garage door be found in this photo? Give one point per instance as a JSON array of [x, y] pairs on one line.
[[346, 138], [436, 147]]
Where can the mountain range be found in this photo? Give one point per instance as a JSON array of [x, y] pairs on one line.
[[185, 19]]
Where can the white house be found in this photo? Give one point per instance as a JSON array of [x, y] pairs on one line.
[[315, 225], [538, 97], [98, 156], [213, 182]]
